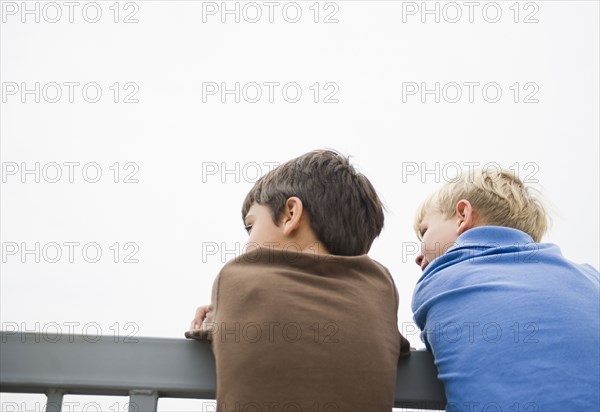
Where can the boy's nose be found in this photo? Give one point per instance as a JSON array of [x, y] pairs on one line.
[[419, 260]]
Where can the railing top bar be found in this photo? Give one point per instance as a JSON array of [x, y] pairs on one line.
[[83, 365], [174, 368]]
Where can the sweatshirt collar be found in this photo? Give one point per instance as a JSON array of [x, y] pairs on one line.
[[492, 236]]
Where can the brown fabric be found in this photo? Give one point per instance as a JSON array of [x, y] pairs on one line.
[[304, 332]]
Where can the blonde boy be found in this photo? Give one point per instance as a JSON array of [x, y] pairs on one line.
[[512, 324]]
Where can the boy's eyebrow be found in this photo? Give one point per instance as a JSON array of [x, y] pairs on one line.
[[247, 216]]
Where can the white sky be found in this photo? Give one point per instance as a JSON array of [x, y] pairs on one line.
[[175, 137]]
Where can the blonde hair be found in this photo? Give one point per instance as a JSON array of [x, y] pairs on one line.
[[498, 197]]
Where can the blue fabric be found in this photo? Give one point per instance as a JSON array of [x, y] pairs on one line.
[[512, 324]]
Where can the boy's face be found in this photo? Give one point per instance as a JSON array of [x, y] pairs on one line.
[[438, 234], [261, 229]]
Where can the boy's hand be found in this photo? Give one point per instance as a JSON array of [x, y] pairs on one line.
[[196, 324], [405, 348], [200, 316]]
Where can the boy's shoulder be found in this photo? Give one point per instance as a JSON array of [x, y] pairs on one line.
[[268, 267]]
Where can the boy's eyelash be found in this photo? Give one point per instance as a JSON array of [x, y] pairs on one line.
[[248, 227]]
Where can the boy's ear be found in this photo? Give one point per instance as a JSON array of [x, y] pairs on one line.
[[292, 215], [466, 219]]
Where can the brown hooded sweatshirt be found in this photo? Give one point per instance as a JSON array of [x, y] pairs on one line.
[[294, 331]]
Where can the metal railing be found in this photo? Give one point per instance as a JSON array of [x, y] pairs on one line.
[[146, 369]]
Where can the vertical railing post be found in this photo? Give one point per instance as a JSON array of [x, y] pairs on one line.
[[54, 401], [143, 400]]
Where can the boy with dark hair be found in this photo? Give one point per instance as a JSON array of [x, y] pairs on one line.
[[306, 321]]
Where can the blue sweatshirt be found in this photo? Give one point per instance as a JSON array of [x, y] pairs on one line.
[[512, 324]]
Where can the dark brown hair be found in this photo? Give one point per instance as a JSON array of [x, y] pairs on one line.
[[344, 210]]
